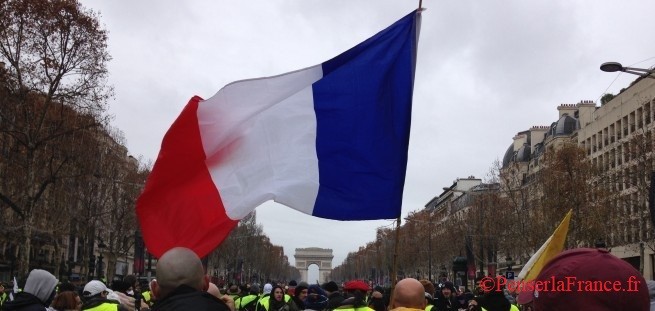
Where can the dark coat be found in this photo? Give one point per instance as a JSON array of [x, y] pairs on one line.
[[443, 304], [24, 302], [334, 300], [188, 298], [494, 301]]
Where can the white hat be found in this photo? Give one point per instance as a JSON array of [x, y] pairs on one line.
[[93, 288], [268, 288]]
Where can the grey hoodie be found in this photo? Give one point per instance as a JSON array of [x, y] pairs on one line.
[[41, 284]]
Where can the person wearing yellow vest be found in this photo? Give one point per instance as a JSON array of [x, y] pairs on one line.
[[429, 289], [276, 301], [147, 297], [356, 292], [95, 298], [3, 295], [233, 291], [249, 301]]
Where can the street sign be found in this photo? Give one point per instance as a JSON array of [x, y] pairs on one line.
[[509, 275]]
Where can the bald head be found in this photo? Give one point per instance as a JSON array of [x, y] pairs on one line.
[[179, 266], [409, 293]]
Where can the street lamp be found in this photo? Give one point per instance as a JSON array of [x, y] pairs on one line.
[[509, 262], [101, 264], [615, 66]]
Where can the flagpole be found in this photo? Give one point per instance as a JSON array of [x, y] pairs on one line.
[[420, 4], [394, 274]]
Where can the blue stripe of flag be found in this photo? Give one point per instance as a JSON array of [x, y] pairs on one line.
[[363, 108]]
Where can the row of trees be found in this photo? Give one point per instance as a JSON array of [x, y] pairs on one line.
[[507, 218], [248, 256], [53, 128], [67, 185]]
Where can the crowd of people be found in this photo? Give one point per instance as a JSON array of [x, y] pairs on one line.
[[182, 284]]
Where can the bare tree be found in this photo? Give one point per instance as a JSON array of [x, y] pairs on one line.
[[55, 55], [566, 183]]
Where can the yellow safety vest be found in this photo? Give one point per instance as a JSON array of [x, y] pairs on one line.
[[511, 308], [266, 300], [146, 297], [243, 301], [428, 307], [3, 298], [106, 306], [348, 308]]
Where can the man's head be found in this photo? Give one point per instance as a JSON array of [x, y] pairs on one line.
[[233, 290], [254, 289], [300, 292], [316, 298], [409, 293], [94, 288], [600, 281], [330, 287], [447, 289], [356, 287], [130, 279], [267, 288], [179, 266], [41, 284]]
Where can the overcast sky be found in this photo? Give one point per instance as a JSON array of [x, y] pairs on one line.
[[486, 70]]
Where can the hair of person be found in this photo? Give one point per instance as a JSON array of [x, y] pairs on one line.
[[66, 300], [360, 298], [273, 291], [428, 286], [130, 280]]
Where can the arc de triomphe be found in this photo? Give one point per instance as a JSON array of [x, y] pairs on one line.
[[322, 257]]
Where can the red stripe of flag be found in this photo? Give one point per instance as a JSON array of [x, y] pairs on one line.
[[180, 206]]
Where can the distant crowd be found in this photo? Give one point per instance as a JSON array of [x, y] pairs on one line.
[[182, 284]]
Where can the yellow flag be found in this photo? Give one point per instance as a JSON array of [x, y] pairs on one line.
[[553, 246]]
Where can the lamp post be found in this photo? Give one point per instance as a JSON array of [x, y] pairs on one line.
[[430, 252], [509, 262], [101, 263], [444, 274], [615, 66]]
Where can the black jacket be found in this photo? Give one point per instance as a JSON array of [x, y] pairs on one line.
[[334, 300], [24, 302], [443, 304], [188, 298]]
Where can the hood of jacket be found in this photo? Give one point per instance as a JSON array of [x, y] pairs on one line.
[[41, 284], [24, 301]]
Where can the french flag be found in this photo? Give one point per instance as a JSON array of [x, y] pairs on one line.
[[329, 140]]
